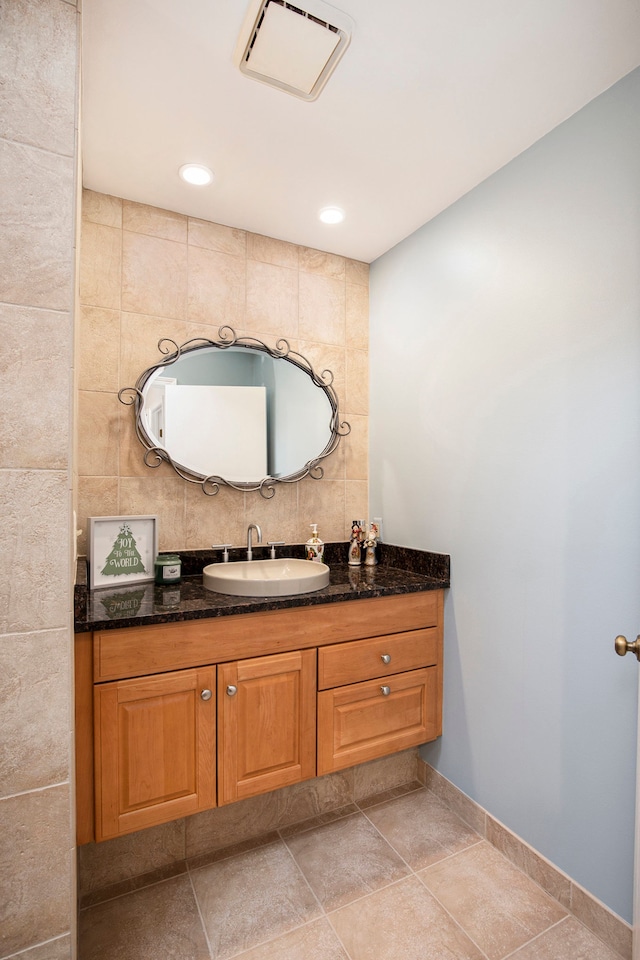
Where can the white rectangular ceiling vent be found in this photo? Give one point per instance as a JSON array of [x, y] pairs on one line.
[[292, 48]]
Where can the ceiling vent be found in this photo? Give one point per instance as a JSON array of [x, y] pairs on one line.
[[293, 48]]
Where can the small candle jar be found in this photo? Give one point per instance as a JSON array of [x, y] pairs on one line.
[[168, 568]]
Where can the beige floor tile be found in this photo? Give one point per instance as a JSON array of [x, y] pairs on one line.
[[315, 941], [569, 940], [421, 829], [401, 922], [250, 899], [159, 921], [345, 860], [496, 904]]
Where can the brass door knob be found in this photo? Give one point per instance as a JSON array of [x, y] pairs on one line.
[[623, 646]]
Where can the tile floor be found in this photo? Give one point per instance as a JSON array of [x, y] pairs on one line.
[[388, 879]]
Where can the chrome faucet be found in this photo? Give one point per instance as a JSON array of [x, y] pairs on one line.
[[252, 526]]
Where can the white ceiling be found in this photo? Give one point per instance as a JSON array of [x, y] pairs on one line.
[[429, 100]]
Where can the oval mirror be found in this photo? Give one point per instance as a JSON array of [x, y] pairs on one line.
[[236, 412]]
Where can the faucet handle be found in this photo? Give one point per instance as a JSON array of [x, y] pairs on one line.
[[222, 546], [273, 544]]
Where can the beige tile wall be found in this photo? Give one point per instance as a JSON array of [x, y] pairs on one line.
[[146, 274], [38, 67]]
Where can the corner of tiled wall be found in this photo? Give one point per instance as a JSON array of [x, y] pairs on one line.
[[38, 80], [148, 273]]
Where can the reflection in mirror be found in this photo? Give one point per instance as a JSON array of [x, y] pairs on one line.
[[234, 411]]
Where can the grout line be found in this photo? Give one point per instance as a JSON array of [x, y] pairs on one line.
[[542, 933], [203, 924]]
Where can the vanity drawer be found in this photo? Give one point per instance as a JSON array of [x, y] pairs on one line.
[[343, 663], [367, 720]]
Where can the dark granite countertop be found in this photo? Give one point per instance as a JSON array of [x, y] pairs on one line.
[[399, 570]]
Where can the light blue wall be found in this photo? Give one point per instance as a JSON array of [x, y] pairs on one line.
[[505, 404]]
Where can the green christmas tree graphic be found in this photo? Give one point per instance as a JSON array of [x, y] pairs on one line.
[[124, 557]]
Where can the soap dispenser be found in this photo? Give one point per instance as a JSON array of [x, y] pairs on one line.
[[314, 545]]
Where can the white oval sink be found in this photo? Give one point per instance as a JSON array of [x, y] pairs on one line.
[[282, 577]]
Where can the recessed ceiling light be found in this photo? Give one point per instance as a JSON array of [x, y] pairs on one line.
[[331, 215], [196, 174]]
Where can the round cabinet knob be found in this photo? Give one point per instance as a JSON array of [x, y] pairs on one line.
[[386, 658], [231, 690], [206, 695], [385, 691]]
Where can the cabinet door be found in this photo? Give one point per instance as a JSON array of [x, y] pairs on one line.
[[155, 750], [362, 721], [266, 723]]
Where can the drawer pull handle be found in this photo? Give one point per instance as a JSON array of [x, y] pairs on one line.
[[206, 695], [385, 691], [231, 690], [386, 658]]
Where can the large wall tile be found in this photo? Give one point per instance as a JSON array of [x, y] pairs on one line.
[[102, 864], [35, 388], [278, 517], [269, 250], [140, 336], [35, 687], [215, 236], [321, 502], [327, 356], [216, 287], [101, 208], [213, 519], [158, 496], [36, 228], [140, 218], [357, 392], [99, 349], [100, 265], [234, 823], [322, 309], [34, 537], [272, 299], [380, 775], [357, 449], [154, 275], [357, 272], [35, 868], [37, 74], [98, 426], [97, 497], [356, 503], [321, 263], [357, 316]]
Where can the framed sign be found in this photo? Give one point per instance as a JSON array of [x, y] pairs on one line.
[[122, 550]]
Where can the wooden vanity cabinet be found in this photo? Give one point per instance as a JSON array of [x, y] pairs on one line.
[[172, 719]]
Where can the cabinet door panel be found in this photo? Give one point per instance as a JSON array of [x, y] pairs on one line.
[[267, 726], [359, 722], [155, 750]]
